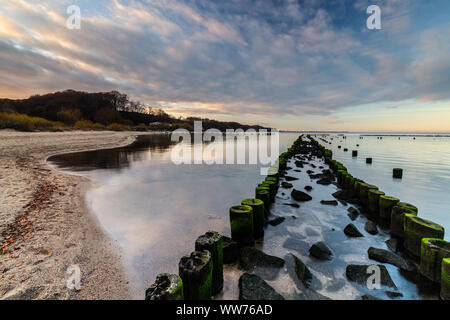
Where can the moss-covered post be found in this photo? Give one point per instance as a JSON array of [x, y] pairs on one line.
[[263, 195], [373, 197], [386, 204], [272, 187], [357, 187], [431, 254], [398, 217], [212, 242], [415, 229], [445, 279], [196, 272], [263, 187], [397, 173], [241, 221], [364, 193], [166, 287], [258, 216]]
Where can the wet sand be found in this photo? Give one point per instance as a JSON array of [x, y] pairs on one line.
[[45, 226]]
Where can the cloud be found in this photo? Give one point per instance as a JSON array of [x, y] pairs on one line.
[[237, 57]]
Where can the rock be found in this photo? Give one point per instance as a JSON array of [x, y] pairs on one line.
[[296, 244], [230, 250], [352, 213], [369, 297], [371, 227], [295, 205], [360, 274], [329, 202], [289, 178], [309, 171], [325, 181], [286, 185], [393, 244], [296, 170], [255, 260], [308, 188], [302, 271], [385, 256], [351, 231], [319, 250], [393, 294], [342, 195], [300, 195], [276, 221], [299, 164], [252, 287]]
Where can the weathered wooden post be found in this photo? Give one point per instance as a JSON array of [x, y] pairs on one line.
[[431, 254], [354, 153], [397, 173], [264, 195], [369, 160], [241, 221], [398, 217], [445, 279], [415, 229], [373, 197], [212, 241], [166, 287], [386, 204], [258, 216], [196, 272]]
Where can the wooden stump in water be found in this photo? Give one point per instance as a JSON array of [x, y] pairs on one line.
[[431, 254], [258, 216], [369, 160], [354, 153], [445, 279], [386, 204], [241, 222], [196, 272], [212, 242], [415, 229], [166, 287], [373, 197], [398, 217]]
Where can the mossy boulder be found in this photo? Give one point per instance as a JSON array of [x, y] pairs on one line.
[[431, 254], [373, 197], [415, 229], [445, 279], [386, 204], [252, 287], [398, 217], [241, 222], [166, 287]]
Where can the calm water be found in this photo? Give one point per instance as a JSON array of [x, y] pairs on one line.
[[156, 209], [426, 169]]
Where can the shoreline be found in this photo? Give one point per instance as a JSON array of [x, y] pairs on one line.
[[56, 228]]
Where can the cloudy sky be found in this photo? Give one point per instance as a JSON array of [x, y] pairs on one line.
[[291, 64]]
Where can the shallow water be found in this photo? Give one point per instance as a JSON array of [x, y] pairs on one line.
[[426, 169], [156, 210]]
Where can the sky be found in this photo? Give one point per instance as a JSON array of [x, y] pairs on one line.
[[289, 64]]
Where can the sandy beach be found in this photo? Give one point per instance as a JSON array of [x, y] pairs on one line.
[[45, 226]]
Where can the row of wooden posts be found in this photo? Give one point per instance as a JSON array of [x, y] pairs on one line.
[[422, 239], [200, 274]]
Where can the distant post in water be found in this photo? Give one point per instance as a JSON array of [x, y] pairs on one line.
[[369, 160], [354, 153], [212, 241], [196, 272], [166, 287], [397, 173]]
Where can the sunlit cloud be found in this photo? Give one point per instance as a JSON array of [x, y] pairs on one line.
[[273, 61]]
